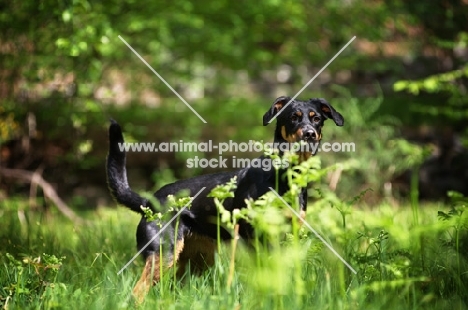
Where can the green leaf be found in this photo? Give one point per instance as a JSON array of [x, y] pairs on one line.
[[66, 16], [431, 84], [400, 85]]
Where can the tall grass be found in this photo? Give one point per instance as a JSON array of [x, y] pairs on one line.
[[52, 263]]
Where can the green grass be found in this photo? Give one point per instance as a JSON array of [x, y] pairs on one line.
[[401, 264]]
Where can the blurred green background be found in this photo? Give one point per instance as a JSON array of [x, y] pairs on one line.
[[401, 86]]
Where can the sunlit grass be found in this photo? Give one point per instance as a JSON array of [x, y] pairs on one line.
[[301, 274]]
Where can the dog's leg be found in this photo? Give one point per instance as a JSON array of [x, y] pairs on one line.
[[303, 214], [152, 271]]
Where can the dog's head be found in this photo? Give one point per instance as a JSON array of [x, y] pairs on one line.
[[301, 120]]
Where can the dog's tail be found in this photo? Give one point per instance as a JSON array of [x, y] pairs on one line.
[[117, 173]]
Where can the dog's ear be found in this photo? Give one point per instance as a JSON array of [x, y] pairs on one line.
[[330, 112], [279, 103]]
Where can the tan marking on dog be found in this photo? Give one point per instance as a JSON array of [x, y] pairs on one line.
[[278, 106], [179, 247], [299, 133], [311, 114], [299, 113], [150, 275], [303, 156], [152, 271], [290, 138], [325, 109], [302, 214], [320, 135]]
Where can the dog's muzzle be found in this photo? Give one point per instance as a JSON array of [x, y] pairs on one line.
[[310, 135]]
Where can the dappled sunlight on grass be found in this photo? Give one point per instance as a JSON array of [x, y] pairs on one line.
[[290, 274]]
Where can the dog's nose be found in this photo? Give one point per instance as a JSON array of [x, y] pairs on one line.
[[310, 134]]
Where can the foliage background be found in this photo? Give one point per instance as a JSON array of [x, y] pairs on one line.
[[65, 72], [401, 85]]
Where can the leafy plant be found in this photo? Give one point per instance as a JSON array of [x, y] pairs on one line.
[[457, 221], [29, 277], [377, 145]]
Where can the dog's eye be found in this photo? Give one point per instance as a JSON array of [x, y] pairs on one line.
[[316, 119], [294, 118]]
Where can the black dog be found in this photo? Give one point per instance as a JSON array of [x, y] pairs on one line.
[[193, 239]]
